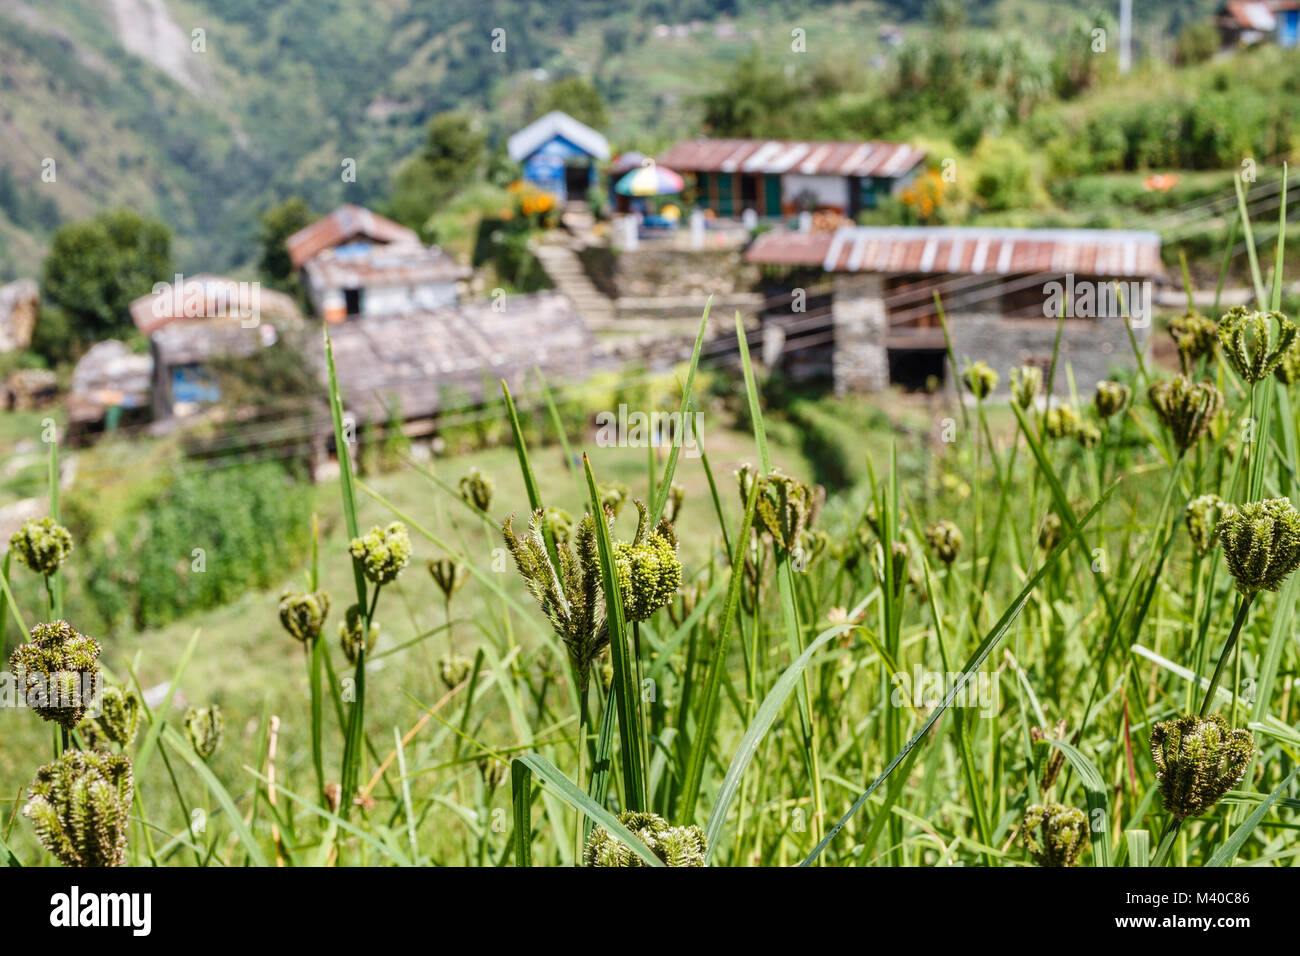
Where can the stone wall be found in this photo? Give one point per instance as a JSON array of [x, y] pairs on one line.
[[1093, 348], [695, 273], [860, 362]]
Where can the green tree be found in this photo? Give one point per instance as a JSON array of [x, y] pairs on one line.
[[454, 149], [453, 156], [96, 268], [278, 224], [576, 96]]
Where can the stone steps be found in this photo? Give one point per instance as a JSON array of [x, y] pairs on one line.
[[570, 279]]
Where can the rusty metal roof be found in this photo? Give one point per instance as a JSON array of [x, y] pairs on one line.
[[964, 250], [812, 158], [343, 225], [391, 265]]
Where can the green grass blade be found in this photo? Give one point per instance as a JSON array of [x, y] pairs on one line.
[[758, 728], [521, 790], [717, 666], [1228, 852], [625, 689], [568, 791], [981, 653], [1094, 787], [556, 421], [182, 748], [670, 469]]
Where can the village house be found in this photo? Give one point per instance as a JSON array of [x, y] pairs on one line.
[[559, 155], [194, 309], [1251, 22], [355, 262], [1002, 292], [406, 365], [781, 177]]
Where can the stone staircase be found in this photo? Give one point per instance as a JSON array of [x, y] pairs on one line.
[[565, 269]]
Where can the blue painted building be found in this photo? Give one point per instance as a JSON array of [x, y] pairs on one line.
[[559, 155]]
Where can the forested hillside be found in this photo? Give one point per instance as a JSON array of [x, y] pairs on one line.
[[206, 112]]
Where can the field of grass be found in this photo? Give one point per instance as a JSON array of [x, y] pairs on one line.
[[1016, 632]]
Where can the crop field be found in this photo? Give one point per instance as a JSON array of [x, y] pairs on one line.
[[1055, 632]]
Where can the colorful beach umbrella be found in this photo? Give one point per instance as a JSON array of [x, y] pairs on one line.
[[651, 180]]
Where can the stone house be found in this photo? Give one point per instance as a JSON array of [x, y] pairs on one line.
[[1002, 291]]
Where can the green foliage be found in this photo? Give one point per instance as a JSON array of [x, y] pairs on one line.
[[576, 96], [1005, 176], [277, 224], [206, 538], [97, 267], [1196, 43]]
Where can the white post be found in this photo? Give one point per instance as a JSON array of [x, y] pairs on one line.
[[1125, 36], [749, 219], [697, 229], [805, 221]]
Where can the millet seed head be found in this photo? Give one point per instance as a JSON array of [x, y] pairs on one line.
[[981, 379], [119, 715], [42, 544], [58, 670], [944, 539], [1050, 531], [1026, 383], [477, 489], [80, 806], [674, 846], [1195, 335], [1254, 343], [613, 495], [574, 601], [1061, 421], [1186, 408], [383, 552], [453, 669], [785, 507], [648, 569], [1054, 834], [352, 634], [1198, 760], [206, 729], [1111, 398], [303, 614], [1261, 543], [449, 574], [1202, 519]]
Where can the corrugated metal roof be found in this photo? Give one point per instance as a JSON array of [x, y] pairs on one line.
[[343, 225], [555, 123], [808, 157], [964, 250]]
